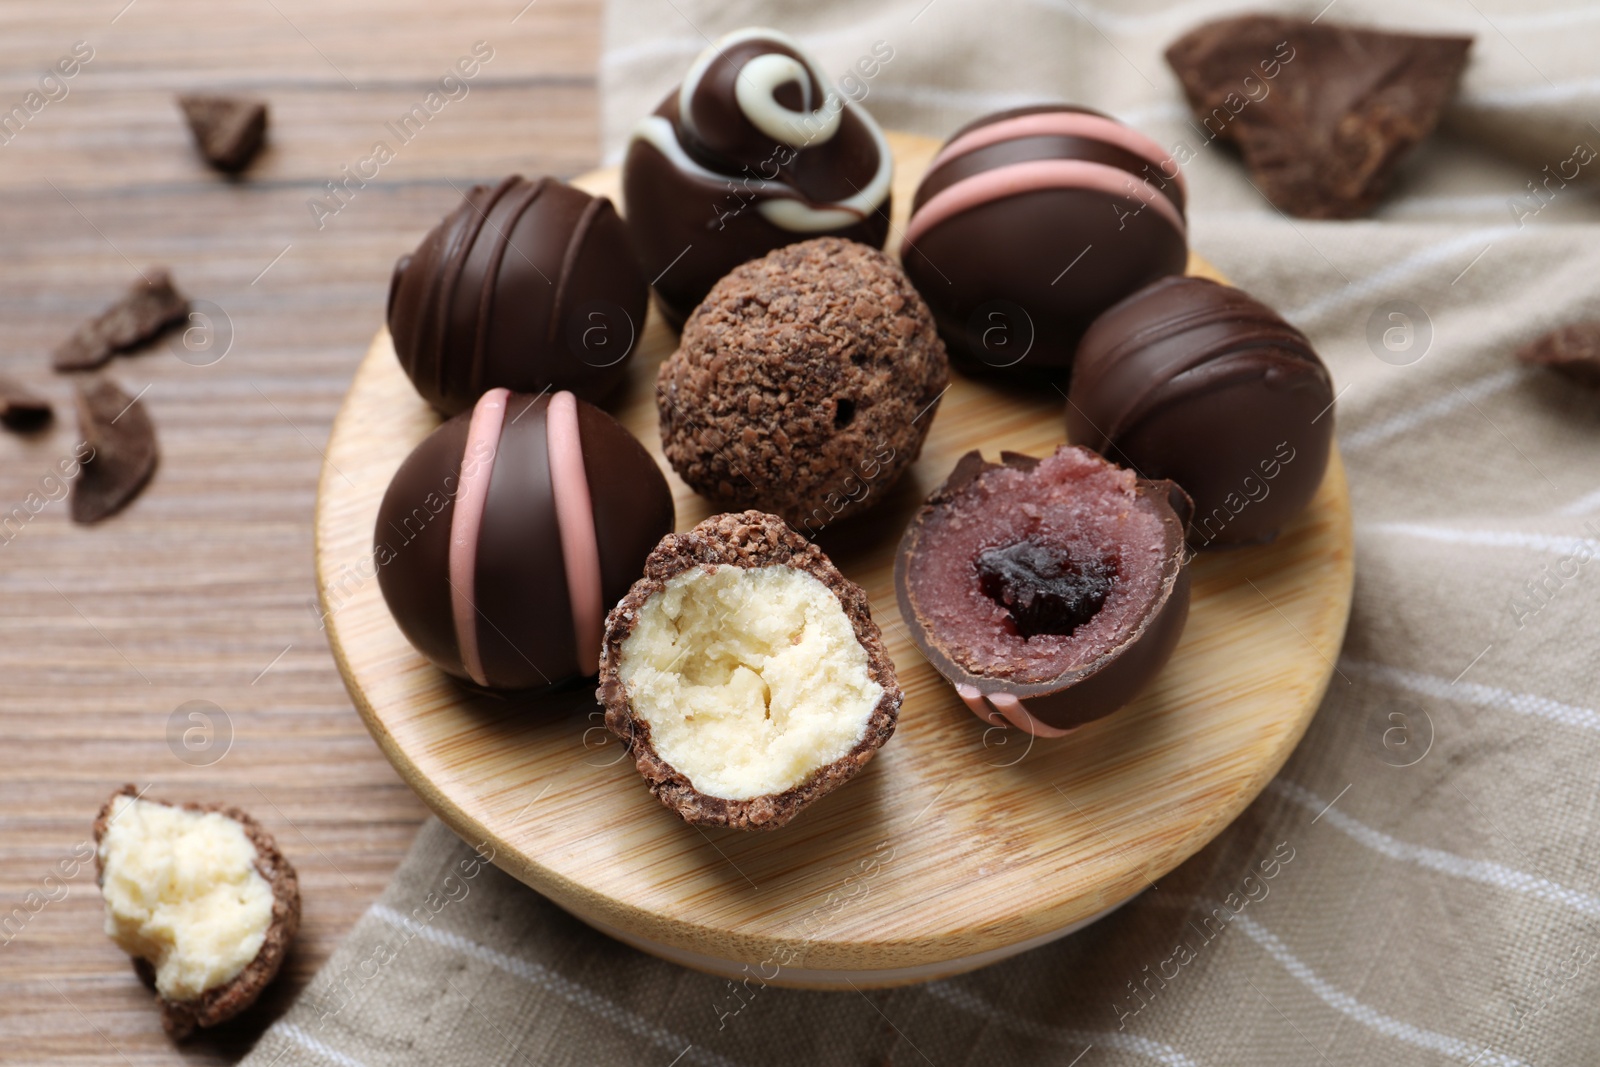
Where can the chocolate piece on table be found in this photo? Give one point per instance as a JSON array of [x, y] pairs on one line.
[[746, 674], [508, 532], [1047, 591], [1201, 383], [1572, 350], [1031, 222], [1321, 112], [754, 150], [210, 941], [148, 308], [804, 384], [524, 286], [228, 130], [123, 441], [21, 408]]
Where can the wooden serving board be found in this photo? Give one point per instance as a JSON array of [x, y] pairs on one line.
[[959, 844]]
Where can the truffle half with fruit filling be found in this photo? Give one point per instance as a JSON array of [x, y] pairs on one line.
[[201, 898], [746, 672], [1047, 591]]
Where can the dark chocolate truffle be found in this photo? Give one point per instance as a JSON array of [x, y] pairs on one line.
[[509, 530], [524, 286], [1322, 113], [1202, 384], [1048, 592], [804, 384], [1031, 222], [753, 151], [746, 674]]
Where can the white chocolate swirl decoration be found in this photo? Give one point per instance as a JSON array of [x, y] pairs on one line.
[[758, 99]]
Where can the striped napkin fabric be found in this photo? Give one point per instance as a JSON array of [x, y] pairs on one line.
[[1421, 884]]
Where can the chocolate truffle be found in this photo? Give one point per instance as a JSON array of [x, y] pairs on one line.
[[746, 674], [1202, 384], [1031, 222], [524, 286], [804, 384], [510, 529], [1051, 589], [753, 151]]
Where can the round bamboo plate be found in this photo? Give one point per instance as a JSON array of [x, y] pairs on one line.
[[959, 845]]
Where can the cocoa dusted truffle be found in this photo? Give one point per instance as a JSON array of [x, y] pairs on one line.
[[1031, 222], [1047, 591], [1203, 384], [753, 150], [804, 384], [524, 286], [746, 673], [509, 530]]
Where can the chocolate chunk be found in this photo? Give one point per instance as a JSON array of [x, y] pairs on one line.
[[1043, 589], [149, 307], [1321, 112], [1572, 350], [228, 130], [20, 407], [118, 430]]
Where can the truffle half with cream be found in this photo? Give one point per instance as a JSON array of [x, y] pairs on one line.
[[746, 673], [1047, 591], [1031, 222], [508, 532], [753, 150], [201, 898]]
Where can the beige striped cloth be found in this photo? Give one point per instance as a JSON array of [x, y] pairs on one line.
[[1434, 843]]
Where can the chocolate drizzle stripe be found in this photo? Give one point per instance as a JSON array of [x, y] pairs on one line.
[[569, 264], [466, 523], [443, 293], [1081, 124], [1034, 176], [1279, 332], [491, 274], [580, 544]]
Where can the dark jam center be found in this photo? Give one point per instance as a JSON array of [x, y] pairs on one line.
[[1044, 589]]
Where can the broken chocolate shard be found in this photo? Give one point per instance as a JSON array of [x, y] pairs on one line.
[[1572, 350], [1322, 113], [228, 130], [21, 408], [120, 455], [149, 307]]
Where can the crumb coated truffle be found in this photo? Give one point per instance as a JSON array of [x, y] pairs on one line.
[[746, 673], [804, 384]]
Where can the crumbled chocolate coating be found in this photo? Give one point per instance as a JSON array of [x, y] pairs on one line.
[[749, 540], [149, 307], [119, 431], [228, 130], [1572, 350], [181, 1018], [1045, 590], [1322, 113], [804, 384]]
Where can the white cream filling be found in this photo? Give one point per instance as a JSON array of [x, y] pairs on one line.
[[182, 891], [750, 679]]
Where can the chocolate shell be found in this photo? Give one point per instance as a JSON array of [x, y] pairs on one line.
[[524, 286], [1044, 679], [509, 531], [1031, 222], [754, 150], [1205, 385], [804, 673]]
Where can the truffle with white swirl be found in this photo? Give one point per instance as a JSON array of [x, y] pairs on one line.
[[755, 150]]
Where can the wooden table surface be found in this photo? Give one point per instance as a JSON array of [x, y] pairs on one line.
[[202, 590]]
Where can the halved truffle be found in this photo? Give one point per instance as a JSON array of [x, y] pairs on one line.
[[201, 898], [1053, 588], [746, 672]]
